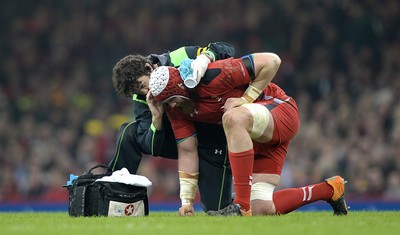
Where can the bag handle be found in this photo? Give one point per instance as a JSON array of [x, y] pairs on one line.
[[98, 166]]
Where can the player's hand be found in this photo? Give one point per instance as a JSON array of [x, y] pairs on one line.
[[231, 103], [199, 66], [186, 210]]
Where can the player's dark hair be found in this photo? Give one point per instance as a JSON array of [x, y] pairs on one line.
[[127, 71]]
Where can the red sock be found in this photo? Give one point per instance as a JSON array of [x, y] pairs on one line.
[[288, 200], [242, 170]]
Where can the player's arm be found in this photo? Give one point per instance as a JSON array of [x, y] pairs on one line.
[[188, 160], [262, 68], [188, 167], [265, 67]]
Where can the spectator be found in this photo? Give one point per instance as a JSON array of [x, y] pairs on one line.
[[57, 60]]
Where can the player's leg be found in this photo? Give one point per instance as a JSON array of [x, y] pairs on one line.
[[267, 170], [215, 177], [331, 190], [264, 200], [241, 125], [272, 144], [262, 192]]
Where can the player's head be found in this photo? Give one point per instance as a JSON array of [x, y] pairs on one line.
[[131, 75], [166, 83]]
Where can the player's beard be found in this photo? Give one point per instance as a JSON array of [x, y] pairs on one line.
[[187, 106]]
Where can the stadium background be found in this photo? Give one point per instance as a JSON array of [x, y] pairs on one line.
[[59, 113]]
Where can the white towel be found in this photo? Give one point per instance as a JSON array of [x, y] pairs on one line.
[[123, 176]]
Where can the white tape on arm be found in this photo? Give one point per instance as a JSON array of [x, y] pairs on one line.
[[188, 187]]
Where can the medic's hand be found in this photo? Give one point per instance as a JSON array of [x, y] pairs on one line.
[[156, 107], [231, 103], [186, 210], [199, 66], [157, 110]]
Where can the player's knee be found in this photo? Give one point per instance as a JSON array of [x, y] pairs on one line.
[[259, 118], [237, 117]]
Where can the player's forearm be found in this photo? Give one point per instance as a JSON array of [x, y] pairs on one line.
[[188, 167], [188, 187]]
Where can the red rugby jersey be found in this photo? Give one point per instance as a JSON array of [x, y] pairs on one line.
[[224, 79]]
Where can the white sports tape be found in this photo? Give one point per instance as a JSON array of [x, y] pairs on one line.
[[251, 94], [262, 191], [188, 190], [260, 119]]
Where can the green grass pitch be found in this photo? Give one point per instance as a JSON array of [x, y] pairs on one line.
[[165, 223]]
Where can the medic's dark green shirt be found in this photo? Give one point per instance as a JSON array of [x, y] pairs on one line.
[[150, 139]]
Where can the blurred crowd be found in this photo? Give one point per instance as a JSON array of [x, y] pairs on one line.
[[59, 113]]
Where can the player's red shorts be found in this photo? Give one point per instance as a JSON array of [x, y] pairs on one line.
[[270, 157]]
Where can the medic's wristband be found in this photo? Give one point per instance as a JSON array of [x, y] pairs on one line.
[[251, 94]]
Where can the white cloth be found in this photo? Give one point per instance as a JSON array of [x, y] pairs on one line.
[[123, 176], [199, 66]]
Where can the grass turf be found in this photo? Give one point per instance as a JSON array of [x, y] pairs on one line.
[[165, 223]]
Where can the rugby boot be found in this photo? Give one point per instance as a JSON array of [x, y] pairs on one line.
[[337, 201], [230, 210]]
